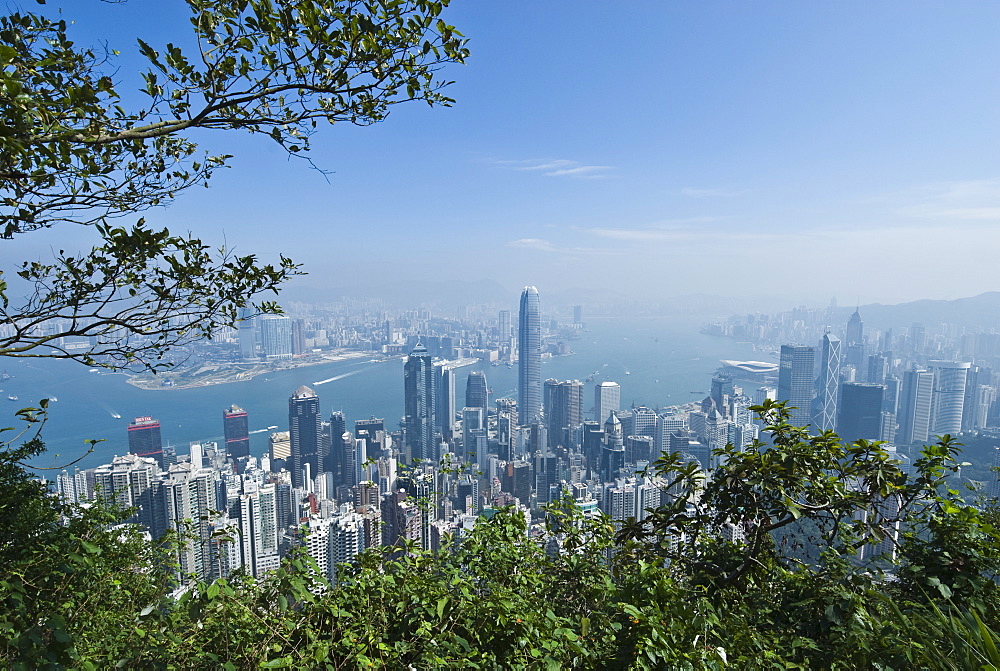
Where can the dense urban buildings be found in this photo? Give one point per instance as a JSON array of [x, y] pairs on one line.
[[447, 462]]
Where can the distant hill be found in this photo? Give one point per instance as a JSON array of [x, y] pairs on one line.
[[982, 311]]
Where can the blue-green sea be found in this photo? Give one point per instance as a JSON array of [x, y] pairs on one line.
[[658, 362]]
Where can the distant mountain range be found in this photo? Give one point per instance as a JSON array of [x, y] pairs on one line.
[[982, 311]]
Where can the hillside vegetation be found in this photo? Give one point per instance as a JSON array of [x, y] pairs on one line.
[[789, 556]]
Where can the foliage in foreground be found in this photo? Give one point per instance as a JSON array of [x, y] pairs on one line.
[[78, 596]]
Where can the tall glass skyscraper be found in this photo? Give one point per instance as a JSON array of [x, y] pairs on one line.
[[477, 393], [827, 385], [420, 401], [236, 428], [305, 429], [144, 439], [796, 383], [529, 357]]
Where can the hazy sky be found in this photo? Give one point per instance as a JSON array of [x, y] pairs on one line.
[[844, 149]]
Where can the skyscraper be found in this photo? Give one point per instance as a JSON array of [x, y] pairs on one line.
[[419, 402], [236, 428], [607, 397], [855, 329], [144, 439], [275, 336], [796, 383], [247, 334], [304, 427], [444, 413], [949, 396], [503, 325], [563, 411], [860, 415], [827, 384], [477, 392], [529, 353], [914, 413]]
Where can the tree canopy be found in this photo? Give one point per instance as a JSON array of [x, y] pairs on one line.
[[73, 152], [669, 591]]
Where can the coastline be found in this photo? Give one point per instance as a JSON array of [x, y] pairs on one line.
[[227, 373]]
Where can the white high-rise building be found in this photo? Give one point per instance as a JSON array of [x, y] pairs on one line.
[[915, 404], [275, 336], [184, 497], [949, 396], [607, 398]]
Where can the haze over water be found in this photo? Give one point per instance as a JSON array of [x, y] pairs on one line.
[[667, 360]]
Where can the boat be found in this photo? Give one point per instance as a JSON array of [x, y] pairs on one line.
[[52, 399], [116, 415], [4, 376], [12, 398], [93, 370], [272, 427]]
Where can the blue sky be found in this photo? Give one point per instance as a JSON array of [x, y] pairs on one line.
[[794, 149]]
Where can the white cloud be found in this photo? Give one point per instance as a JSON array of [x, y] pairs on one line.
[[693, 192], [533, 243], [560, 168], [969, 200], [540, 245]]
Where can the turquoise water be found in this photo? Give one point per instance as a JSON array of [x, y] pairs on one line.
[[658, 362]]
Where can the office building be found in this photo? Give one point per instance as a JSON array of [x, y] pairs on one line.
[[796, 383], [827, 384], [305, 434], [477, 393], [914, 415], [236, 428], [948, 401], [247, 334], [446, 409], [529, 353], [607, 398], [503, 325], [563, 411], [860, 415], [419, 404], [275, 336], [855, 329], [722, 390], [144, 439]]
